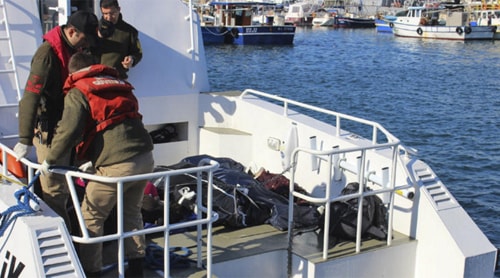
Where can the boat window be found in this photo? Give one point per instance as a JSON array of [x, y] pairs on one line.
[[48, 14], [48, 11]]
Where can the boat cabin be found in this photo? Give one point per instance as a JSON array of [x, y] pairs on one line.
[[245, 13]]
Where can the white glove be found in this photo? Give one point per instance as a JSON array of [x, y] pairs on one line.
[[21, 150], [87, 167], [44, 168]]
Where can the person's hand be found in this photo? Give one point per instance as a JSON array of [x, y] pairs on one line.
[[87, 167], [127, 62], [21, 150], [44, 168]]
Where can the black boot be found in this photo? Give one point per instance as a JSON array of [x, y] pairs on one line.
[[134, 269]]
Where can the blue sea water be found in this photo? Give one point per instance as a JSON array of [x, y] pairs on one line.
[[439, 97]]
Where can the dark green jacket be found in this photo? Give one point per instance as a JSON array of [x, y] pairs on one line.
[[48, 98], [115, 144], [123, 42]]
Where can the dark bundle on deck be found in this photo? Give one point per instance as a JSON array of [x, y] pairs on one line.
[[238, 198]]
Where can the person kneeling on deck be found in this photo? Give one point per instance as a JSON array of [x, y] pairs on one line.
[[101, 119]]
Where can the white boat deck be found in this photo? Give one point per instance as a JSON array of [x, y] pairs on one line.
[[242, 244]]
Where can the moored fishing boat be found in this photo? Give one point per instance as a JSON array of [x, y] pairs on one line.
[[430, 234], [354, 17], [382, 25], [440, 21], [246, 23], [324, 17], [486, 14], [349, 20]]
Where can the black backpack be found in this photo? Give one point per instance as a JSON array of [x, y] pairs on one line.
[[344, 214]]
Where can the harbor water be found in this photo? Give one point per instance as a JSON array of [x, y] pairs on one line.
[[439, 97]]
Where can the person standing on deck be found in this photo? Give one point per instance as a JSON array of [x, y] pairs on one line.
[[101, 119], [119, 47], [42, 103]]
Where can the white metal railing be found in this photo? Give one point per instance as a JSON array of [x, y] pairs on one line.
[[339, 116], [191, 50], [335, 166], [206, 166], [337, 163]]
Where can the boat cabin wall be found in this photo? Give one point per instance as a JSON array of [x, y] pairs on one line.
[[25, 30], [456, 19], [171, 74], [230, 15], [24, 25], [173, 60]]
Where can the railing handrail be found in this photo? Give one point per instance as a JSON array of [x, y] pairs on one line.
[[120, 235], [364, 176], [375, 126], [205, 166]]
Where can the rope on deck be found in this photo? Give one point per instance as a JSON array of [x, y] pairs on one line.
[[27, 203]]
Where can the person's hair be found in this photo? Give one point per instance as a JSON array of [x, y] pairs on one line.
[[79, 61], [109, 3]]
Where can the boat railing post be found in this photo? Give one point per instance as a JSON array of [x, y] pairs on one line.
[[121, 235], [121, 245], [337, 125]]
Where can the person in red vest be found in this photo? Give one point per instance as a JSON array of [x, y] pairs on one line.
[[42, 103], [101, 119]]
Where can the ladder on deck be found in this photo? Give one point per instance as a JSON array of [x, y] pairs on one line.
[[8, 38]]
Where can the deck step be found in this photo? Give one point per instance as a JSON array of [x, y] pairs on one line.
[[434, 188]]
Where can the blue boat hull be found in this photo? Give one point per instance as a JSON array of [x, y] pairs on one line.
[[383, 26], [248, 35]]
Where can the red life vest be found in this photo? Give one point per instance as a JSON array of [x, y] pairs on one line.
[[111, 100], [60, 48]]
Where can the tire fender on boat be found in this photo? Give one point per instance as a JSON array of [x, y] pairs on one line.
[[468, 29], [419, 31], [459, 30], [234, 32], [391, 25]]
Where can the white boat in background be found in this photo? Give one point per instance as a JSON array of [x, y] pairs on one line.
[[429, 233], [324, 17], [440, 21], [301, 13]]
